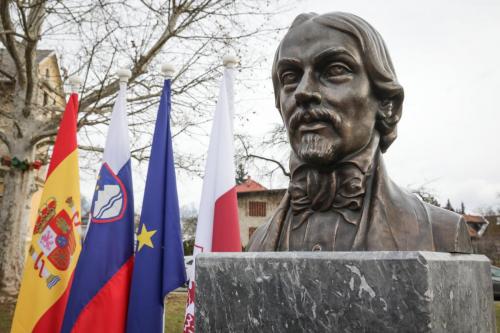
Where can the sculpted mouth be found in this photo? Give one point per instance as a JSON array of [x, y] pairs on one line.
[[312, 127]]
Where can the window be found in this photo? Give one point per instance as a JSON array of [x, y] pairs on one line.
[[47, 73], [256, 208], [498, 220], [45, 99], [251, 230]]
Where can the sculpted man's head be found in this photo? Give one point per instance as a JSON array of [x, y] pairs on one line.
[[335, 87]]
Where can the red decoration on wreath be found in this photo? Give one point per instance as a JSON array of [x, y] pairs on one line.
[[14, 162], [37, 164], [6, 160]]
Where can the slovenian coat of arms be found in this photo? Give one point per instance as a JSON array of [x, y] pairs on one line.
[[110, 198]]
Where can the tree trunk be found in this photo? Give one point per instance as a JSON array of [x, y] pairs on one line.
[[14, 220]]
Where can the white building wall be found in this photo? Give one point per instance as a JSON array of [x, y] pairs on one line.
[[272, 199]]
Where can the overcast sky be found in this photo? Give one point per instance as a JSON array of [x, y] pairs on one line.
[[446, 55]]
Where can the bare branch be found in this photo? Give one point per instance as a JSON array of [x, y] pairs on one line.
[[48, 131], [10, 43], [14, 33], [32, 29], [82, 104], [249, 156], [267, 159], [139, 67], [91, 148], [7, 115], [12, 78], [4, 138]]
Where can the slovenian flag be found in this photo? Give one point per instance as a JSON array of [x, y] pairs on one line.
[[218, 227], [55, 245], [159, 259], [99, 295]]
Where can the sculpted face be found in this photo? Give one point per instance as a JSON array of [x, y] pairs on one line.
[[326, 100]]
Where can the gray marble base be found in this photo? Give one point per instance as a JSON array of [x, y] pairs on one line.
[[343, 292]]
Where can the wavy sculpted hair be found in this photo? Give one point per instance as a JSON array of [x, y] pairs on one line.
[[376, 60]]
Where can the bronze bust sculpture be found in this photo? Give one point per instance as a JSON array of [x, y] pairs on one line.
[[338, 95]]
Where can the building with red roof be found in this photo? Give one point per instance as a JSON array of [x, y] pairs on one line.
[[249, 185], [256, 203]]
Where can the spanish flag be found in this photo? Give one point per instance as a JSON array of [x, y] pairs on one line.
[[55, 245]]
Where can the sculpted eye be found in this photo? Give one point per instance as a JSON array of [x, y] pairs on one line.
[[335, 70], [288, 77]]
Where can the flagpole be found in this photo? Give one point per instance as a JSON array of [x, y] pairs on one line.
[[168, 71], [47, 276], [124, 74], [230, 61], [217, 229], [75, 83], [159, 261], [98, 298]]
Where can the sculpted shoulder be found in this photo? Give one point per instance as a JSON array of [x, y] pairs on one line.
[[405, 211], [445, 224]]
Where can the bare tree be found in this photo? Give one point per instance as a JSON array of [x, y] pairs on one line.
[[93, 37], [492, 209], [267, 156]]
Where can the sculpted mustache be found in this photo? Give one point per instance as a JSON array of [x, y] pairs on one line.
[[314, 115]]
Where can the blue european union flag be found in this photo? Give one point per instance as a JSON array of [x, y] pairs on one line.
[[159, 259]]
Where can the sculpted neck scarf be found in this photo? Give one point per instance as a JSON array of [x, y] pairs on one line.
[[340, 188]]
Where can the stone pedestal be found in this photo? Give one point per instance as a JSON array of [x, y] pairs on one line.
[[344, 292]]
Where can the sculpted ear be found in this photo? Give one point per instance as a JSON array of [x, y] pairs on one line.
[[388, 115], [276, 86]]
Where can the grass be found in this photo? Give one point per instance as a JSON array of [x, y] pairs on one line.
[[6, 314], [174, 309], [497, 311]]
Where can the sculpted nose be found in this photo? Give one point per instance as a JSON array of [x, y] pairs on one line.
[[304, 97], [306, 93]]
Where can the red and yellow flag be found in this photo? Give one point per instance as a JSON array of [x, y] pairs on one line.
[[55, 245]]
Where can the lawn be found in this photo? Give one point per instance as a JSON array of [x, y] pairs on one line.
[[175, 306], [497, 311], [174, 314], [6, 313]]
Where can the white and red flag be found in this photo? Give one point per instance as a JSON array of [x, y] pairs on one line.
[[218, 228]]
